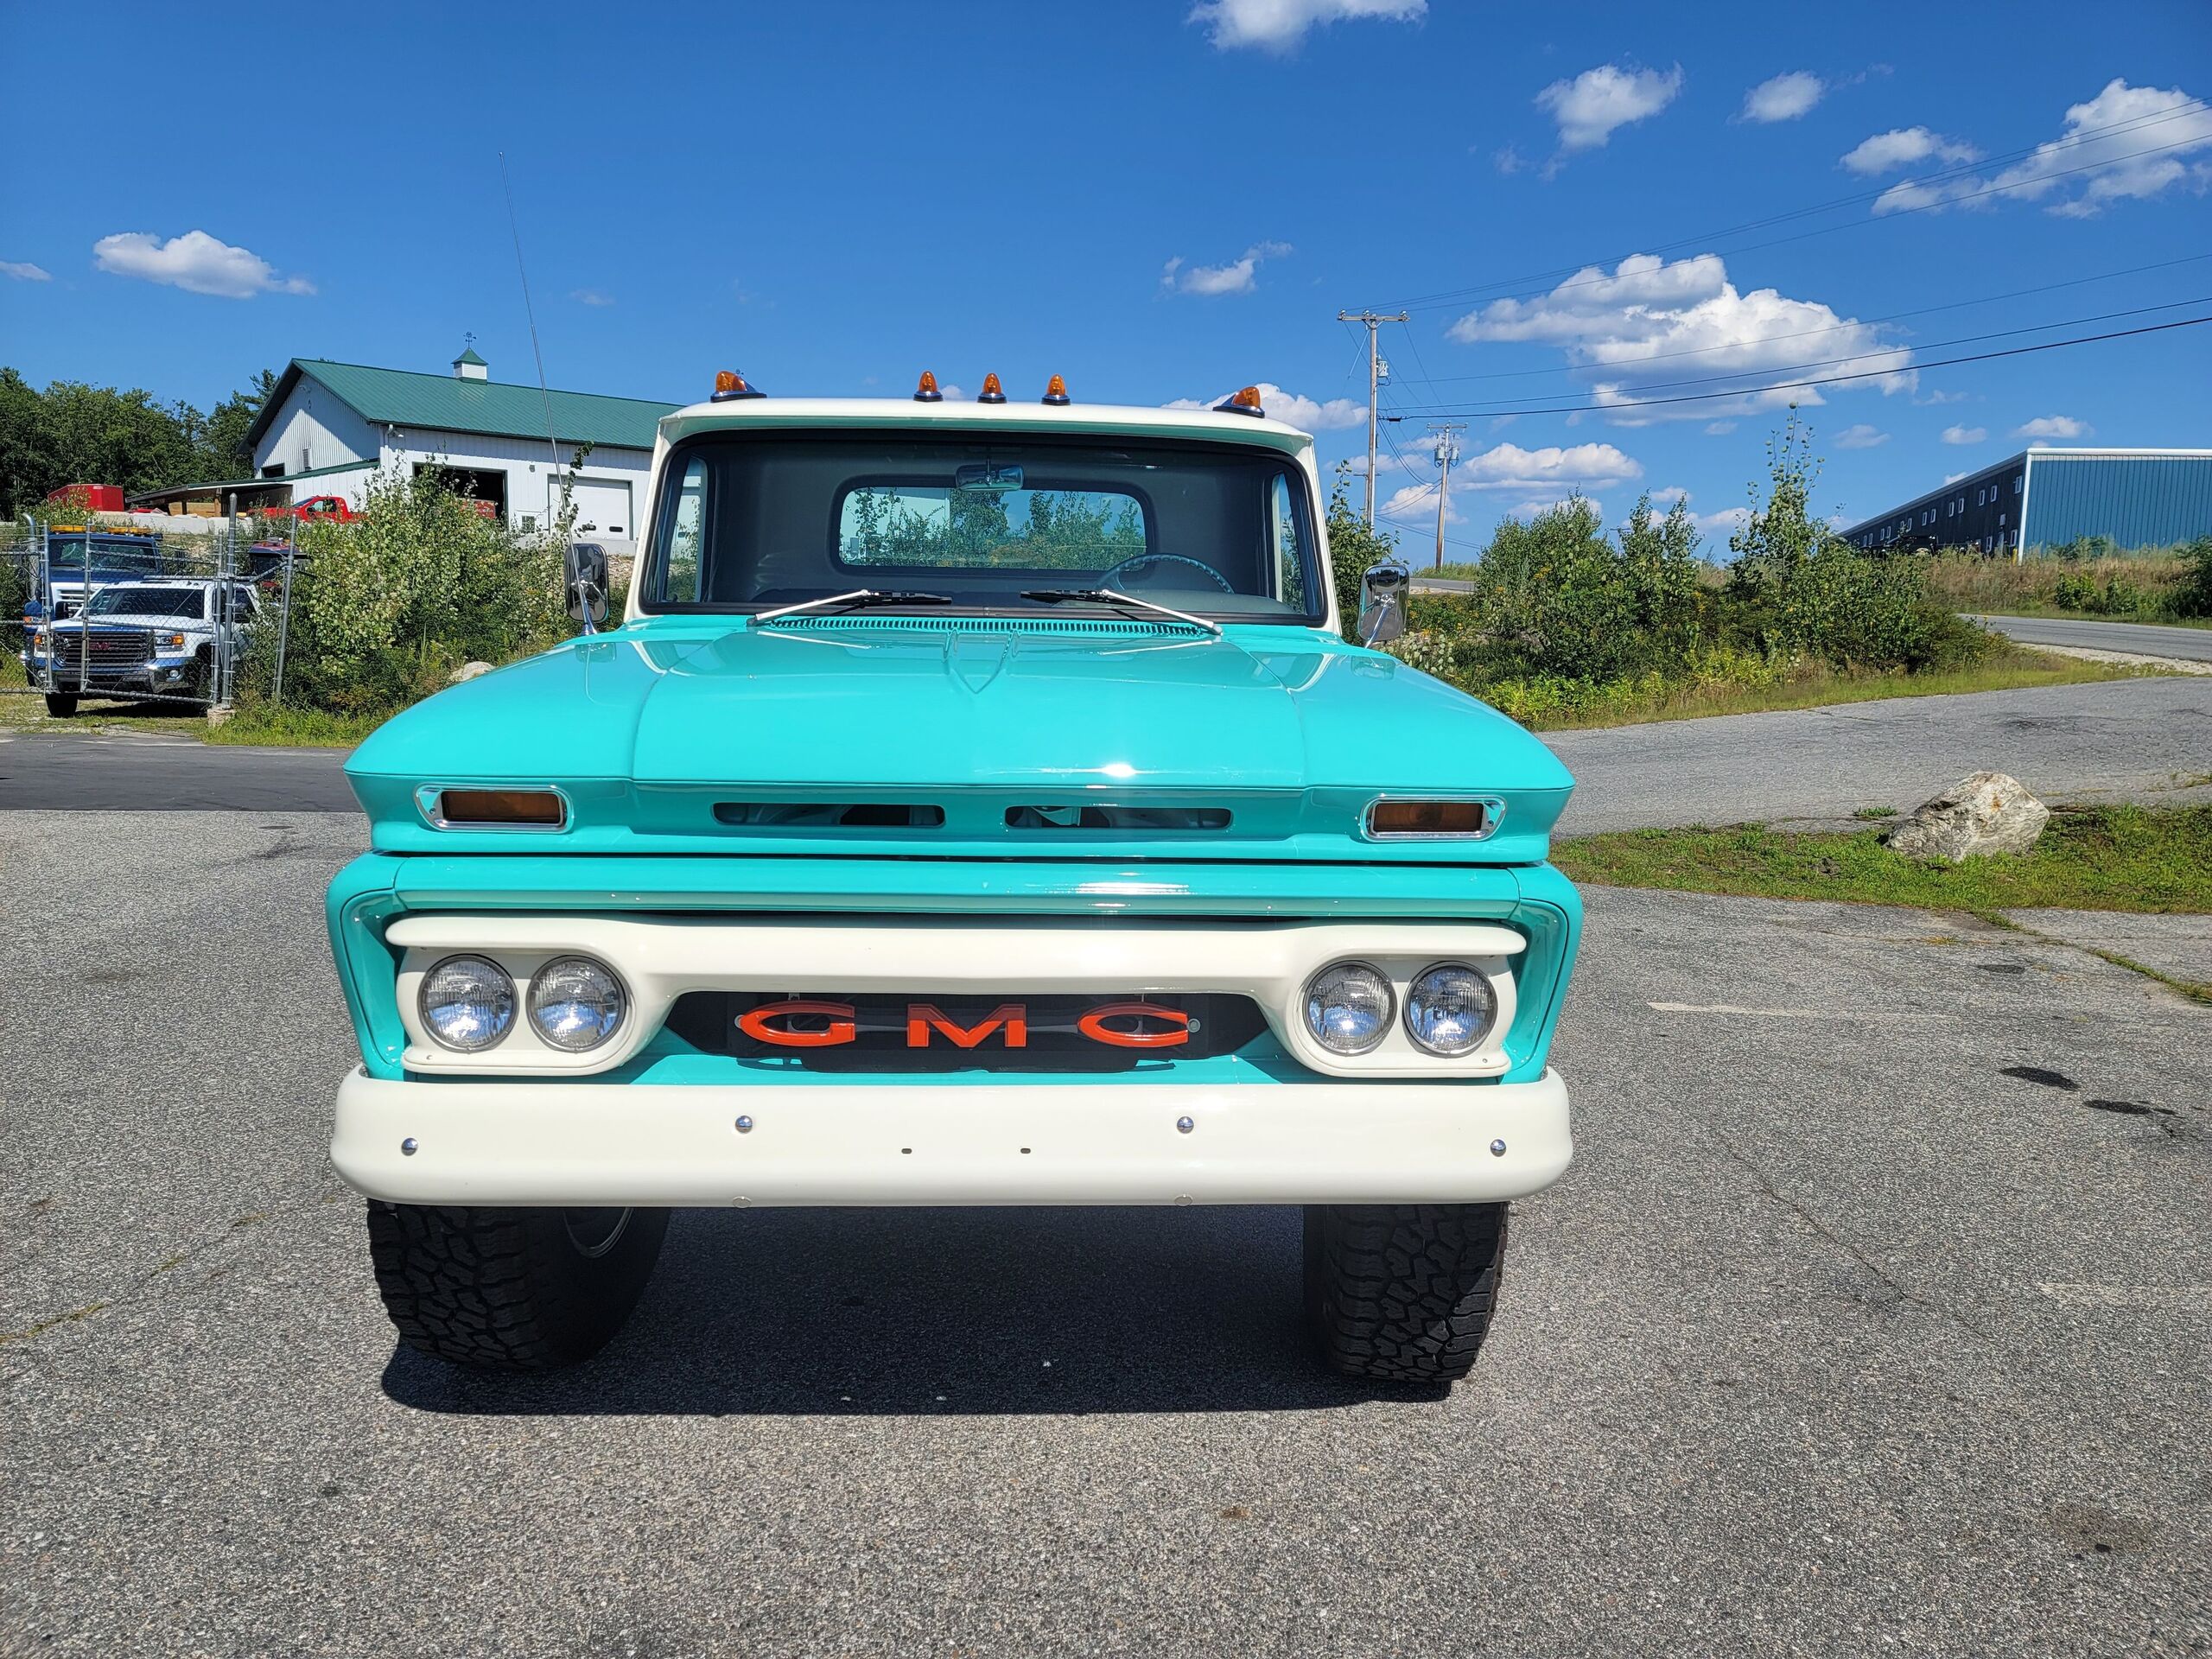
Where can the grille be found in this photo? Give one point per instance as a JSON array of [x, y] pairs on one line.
[[113, 651], [881, 1028]]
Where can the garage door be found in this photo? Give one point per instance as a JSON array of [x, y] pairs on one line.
[[603, 506]]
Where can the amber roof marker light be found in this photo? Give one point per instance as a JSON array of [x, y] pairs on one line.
[[992, 392], [1246, 402], [729, 385], [927, 392], [1056, 392]]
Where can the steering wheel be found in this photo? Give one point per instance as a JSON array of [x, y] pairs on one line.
[[1136, 561]]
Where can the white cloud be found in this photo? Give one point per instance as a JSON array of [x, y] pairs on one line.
[[1937, 400], [1902, 146], [1965, 434], [2088, 165], [952, 394], [2054, 426], [1784, 97], [1668, 496], [1953, 478], [1541, 504], [1860, 436], [196, 262], [1627, 330], [1279, 25], [1508, 160], [1357, 466], [1235, 277], [1583, 466], [24, 272], [1417, 501], [591, 296], [1295, 411], [1727, 521], [1719, 428], [1597, 101]]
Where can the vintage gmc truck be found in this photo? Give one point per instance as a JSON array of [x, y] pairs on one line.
[[978, 805]]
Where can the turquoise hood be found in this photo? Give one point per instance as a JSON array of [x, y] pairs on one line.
[[652, 728]]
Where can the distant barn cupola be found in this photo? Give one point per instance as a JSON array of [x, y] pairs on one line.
[[469, 366]]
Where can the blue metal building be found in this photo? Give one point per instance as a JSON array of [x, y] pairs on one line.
[[2040, 499]]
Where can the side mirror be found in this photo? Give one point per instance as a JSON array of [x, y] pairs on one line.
[[587, 584], [1382, 619]]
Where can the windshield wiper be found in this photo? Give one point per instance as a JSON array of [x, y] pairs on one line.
[[861, 598], [1112, 597]]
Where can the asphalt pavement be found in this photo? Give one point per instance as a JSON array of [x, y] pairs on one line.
[[2089, 633], [1874, 1315]]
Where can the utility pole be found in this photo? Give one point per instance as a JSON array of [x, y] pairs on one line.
[[1373, 381], [1447, 451]]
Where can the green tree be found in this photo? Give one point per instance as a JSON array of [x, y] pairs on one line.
[[1354, 549]]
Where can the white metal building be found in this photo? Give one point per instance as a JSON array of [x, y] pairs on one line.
[[329, 426]]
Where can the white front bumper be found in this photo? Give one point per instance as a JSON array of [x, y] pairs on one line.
[[584, 1143]]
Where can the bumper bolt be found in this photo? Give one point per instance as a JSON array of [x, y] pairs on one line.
[[745, 1126], [1497, 1148], [1184, 1126], [410, 1146]]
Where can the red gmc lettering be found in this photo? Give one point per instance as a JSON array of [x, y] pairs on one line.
[[923, 1018], [1093, 1025], [755, 1024]]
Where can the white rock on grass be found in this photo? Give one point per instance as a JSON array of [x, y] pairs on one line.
[[1988, 812]]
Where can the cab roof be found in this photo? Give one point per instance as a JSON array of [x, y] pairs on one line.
[[1133, 420]]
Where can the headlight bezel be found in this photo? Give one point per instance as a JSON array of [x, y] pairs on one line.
[[1383, 1025], [505, 1028]]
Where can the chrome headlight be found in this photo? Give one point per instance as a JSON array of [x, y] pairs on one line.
[[468, 1003], [1450, 1009], [1348, 1008], [575, 1003]]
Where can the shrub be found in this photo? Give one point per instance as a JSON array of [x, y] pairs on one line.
[[2194, 596], [385, 608]]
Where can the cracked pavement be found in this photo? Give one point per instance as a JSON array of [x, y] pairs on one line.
[[1875, 1311]]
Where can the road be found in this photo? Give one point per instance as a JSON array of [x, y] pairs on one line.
[[2120, 740], [2087, 633], [1844, 1333]]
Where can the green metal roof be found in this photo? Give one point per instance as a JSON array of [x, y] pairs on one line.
[[469, 355], [446, 403]]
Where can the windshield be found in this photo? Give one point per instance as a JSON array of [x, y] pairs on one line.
[[985, 522], [146, 602]]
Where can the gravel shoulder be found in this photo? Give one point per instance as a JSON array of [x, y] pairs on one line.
[[1875, 1312]]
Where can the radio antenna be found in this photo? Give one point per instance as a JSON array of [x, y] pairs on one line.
[[530, 312]]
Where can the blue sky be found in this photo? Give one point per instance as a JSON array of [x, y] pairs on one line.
[[1161, 201]]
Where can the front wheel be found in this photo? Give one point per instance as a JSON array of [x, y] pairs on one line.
[[1402, 1293], [511, 1290]]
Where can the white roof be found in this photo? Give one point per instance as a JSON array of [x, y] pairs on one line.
[[1009, 415]]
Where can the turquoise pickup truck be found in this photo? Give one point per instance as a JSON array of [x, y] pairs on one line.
[[978, 805]]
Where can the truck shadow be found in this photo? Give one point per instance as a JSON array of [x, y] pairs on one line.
[[916, 1312]]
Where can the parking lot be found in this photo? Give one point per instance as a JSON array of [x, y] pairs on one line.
[[1875, 1314]]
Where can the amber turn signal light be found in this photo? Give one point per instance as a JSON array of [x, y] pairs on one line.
[[927, 392], [1246, 402], [1429, 818], [1056, 392], [992, 392], [730, 384], [538, 809]]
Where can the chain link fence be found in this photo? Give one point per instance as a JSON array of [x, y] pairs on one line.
[[142, 616]]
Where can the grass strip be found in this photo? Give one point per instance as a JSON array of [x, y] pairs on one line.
[[2148, 860]]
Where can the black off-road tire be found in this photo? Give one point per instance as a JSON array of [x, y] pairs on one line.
[[61, 704], [1402, 1293], [511, 1290]]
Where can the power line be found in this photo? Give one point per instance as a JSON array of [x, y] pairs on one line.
[[1506, 407], [2192, 106], [1825, 380], [1804, 333]]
